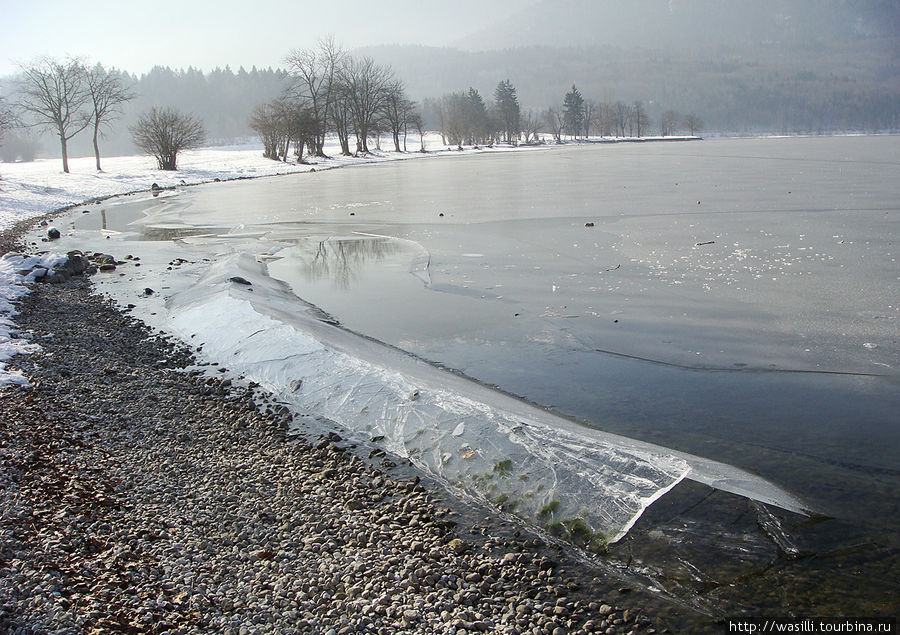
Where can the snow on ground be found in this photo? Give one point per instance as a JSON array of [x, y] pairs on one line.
[[12, 287], [28, 190]]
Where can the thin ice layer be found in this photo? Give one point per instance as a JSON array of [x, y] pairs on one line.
[[588, 488]]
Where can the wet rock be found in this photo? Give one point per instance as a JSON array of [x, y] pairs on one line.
[[459, 546], [53, 233]]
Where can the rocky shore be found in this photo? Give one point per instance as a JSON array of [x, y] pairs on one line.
[[140, 493]]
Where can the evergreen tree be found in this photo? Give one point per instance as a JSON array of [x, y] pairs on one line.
[[507, 104], [478, 129], [573, 112]]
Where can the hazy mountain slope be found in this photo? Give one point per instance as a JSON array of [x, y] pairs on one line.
[[775, 65], [689, 23]]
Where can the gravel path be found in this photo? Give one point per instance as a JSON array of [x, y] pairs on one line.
[[138, 495]]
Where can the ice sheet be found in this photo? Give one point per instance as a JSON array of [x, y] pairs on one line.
[[583, 484]]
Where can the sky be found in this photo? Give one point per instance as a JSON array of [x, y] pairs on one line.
[[135, 36]]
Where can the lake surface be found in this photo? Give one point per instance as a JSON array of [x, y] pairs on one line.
[[733, 299]]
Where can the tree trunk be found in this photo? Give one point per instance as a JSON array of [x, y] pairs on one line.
[[344, 139], [362, 140], [97, 146], [396, 141], [65, 153]]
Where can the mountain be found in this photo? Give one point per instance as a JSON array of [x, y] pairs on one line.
[[689, 24], [741, 65]]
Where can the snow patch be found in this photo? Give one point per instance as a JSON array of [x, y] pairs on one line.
[[13, 286]]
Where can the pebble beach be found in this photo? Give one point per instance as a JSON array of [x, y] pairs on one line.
[[142, 492]]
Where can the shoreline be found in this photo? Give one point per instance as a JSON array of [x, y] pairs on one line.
[[139, 175], [115, 519]]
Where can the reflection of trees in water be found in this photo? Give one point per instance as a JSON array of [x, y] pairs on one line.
[[149, 232], [342, 260]]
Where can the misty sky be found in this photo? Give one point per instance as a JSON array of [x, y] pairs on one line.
[[136, 36]]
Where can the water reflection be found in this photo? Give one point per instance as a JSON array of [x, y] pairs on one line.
[[342, 259], [157, 233]]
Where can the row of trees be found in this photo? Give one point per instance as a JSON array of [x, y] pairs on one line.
[[68, 97], [465, 118], [327, 91], [580, 117], [331, 91]]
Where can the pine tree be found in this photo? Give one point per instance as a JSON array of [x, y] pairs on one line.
[[507, 104], [573, 112], [478, 128]]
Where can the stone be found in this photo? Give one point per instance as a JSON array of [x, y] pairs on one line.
[[458, 546]]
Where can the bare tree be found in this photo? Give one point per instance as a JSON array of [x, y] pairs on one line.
[[341, 114], [165, 132], [7, 119], [366, 84], [418, 124], [693, 123], [605, 123], [555, 119], [314, 73], [531, 125], [434, 108], [107, 93], [621, 117], [55, 94], [302, 128], [454, 108], [397, 110], [639, 119], [668, 123], [591, 115], [268, 121], [466, 119]]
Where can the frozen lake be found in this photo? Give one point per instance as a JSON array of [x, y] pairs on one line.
[[732, 299]]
